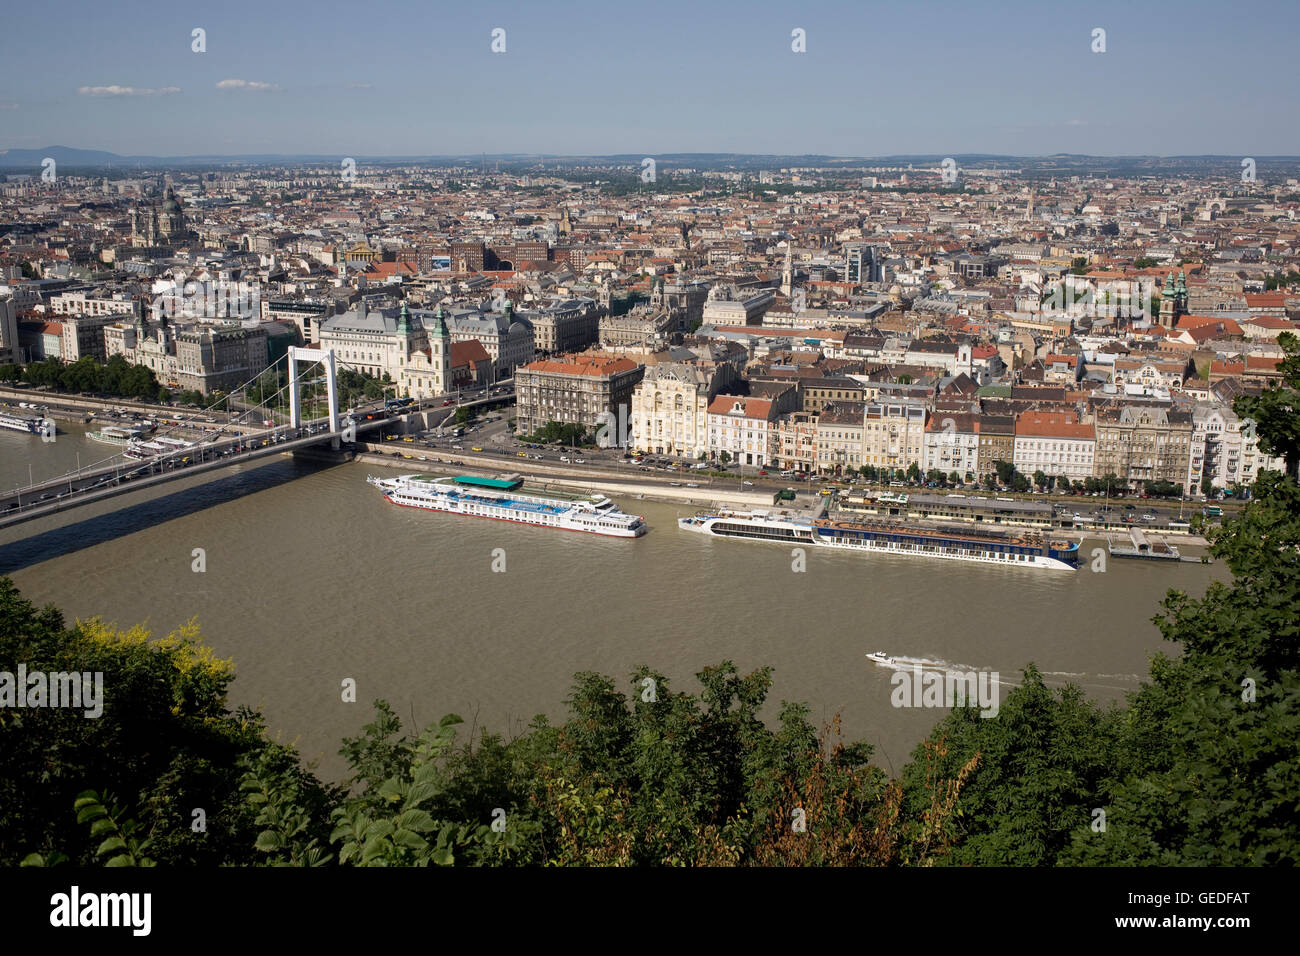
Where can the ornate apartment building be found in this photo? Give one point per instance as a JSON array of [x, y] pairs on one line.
[[585, 389], [211, 358], [1143, 443], [670, 406]]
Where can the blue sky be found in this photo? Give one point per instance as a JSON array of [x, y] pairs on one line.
[[420, 78]]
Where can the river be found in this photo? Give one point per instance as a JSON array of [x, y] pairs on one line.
[[311, 578]]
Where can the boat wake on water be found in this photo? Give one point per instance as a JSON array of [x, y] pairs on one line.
[[902, 662]]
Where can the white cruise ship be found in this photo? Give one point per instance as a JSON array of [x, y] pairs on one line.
[[1027, 549], [498, 499]]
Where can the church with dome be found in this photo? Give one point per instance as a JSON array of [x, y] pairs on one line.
[[163, 224]]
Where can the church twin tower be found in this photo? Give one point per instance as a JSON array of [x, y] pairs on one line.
[[426, 363], [1173, 300]]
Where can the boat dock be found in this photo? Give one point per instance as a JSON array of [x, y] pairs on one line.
[[1144, 546]]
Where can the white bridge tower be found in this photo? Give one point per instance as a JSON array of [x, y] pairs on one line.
[[326, 358]]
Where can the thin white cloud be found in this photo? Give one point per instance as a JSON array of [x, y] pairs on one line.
[[1076, 122], [8, 106], [358, 86], [255, 86], [126, 91]]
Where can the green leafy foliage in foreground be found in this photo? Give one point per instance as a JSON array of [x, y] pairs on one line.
[[1199, 767]]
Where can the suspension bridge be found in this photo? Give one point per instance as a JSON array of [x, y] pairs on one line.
[[246, 437]]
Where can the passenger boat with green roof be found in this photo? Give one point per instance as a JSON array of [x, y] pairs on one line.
[[505, 499]]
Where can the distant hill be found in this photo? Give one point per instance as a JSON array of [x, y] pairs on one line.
[[65, 156]]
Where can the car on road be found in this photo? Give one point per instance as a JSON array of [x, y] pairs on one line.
[[521, 454], [579, 461], [475, 448], [749, 483], [537, 458]]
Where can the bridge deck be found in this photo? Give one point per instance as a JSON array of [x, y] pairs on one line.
[[94, 484], [127, 478]]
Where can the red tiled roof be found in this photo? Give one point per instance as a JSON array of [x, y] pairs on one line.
[[469, 352], [1272, 322], [593, 366], [1053, 425], [754, 407], [1266, 300], [1227, 326]]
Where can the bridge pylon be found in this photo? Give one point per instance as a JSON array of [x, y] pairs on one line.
[[326, 358]]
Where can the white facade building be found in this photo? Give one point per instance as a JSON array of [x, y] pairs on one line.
[[743, 427]]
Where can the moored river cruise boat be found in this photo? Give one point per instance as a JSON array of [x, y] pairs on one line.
[[1028, 549], [501, 500]]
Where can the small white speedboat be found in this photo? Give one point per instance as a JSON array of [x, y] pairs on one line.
[[880, 657]]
